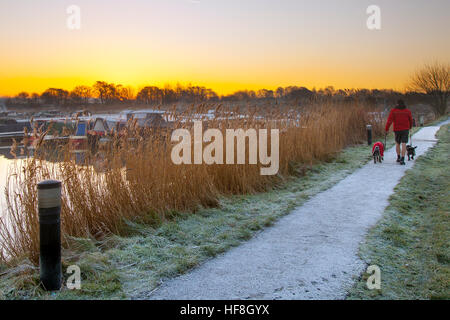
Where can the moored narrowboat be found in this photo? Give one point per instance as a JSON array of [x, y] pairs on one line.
[[79, 141]]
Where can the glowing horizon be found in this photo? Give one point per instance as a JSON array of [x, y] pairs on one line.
[[223, 45]]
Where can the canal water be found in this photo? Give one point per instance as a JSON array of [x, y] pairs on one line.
[[5, 164]]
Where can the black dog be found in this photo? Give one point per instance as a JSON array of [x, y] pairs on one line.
[[411, 152], [378, 152]]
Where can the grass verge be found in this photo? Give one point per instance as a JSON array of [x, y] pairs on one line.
[[131, 267], [411, 242]]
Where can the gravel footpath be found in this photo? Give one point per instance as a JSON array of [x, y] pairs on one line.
[[310, 253]]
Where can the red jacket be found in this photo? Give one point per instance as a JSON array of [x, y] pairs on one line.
[[380, 146], [401, 118]]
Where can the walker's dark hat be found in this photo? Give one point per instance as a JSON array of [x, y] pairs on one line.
[[401, 104]]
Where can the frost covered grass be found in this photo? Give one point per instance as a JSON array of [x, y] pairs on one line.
[[125, 267], [411, 242], [118, 267]]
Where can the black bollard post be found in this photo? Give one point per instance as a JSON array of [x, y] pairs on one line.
[[369, 134], [49, 205], [421, 121]]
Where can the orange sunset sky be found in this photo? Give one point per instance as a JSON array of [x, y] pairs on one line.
[[226, 45]]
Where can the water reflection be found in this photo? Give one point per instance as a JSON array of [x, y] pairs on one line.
[[6, 160], [4, 163]]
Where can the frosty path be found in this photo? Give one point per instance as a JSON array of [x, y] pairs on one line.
[[310, 253]]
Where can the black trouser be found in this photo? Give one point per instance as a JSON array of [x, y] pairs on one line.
[[401, 136]]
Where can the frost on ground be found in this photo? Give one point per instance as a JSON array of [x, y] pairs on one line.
[[310, 253], [410, 242]]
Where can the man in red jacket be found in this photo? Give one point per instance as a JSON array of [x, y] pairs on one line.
[[402, 119]]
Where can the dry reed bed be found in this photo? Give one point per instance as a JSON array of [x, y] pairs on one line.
[[135, 179]]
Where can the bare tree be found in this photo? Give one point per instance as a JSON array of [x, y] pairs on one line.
[[55, 96], [101, 89], [35, 98], [22, 97], [81, 94], [434, 80]]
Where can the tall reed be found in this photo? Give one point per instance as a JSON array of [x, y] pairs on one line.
[[134, 178]]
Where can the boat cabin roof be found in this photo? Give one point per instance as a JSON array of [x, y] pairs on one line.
[[81, 129]]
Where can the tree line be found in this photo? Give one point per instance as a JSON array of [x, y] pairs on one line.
[[106, 93], [102, 92], [428, 85]]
